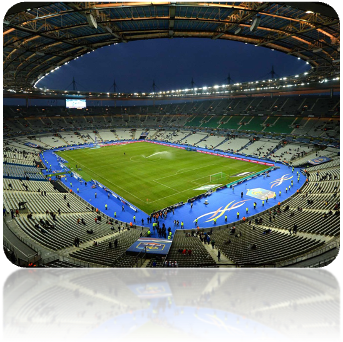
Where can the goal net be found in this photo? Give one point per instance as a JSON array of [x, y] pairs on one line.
[[216, 177]]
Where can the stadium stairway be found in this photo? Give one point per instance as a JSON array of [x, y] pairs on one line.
[[204, 138], [274, 150], [185, 137], [323, 238], [217, 147], [245, 146], [98, 136], [224, 260]]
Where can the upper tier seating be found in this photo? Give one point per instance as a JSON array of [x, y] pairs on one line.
[[21, 171], [194, 139], [211, 142], [33, 186], [36, 203], [233, 145], [291, 151]]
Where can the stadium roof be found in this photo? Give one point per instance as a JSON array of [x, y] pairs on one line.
[[40, 37]]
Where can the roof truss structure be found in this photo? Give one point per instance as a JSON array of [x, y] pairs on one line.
[[38, 40]]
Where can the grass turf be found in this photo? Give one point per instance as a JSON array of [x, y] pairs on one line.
[[152, 176], [153, 332]]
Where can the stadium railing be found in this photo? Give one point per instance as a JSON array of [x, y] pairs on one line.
[[66, 259], [329, 246], [140, 259], [10, 246], [21, 260]]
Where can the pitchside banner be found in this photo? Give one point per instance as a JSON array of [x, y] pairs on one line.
[[151, 290], [237, 158], [319, 160], [117, 143], [170, 145]]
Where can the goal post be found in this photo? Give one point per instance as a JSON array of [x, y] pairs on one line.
[[216, 177]]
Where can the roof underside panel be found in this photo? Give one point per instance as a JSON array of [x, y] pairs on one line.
[[37, 40]]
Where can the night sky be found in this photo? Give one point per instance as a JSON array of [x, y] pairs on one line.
[[171, 63]]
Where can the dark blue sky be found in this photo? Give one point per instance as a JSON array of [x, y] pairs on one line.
[[171, 63]]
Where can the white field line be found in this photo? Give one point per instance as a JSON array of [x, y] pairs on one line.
[[155, 180], [178, 172], [108, 180], [179, 192], [165, 185]]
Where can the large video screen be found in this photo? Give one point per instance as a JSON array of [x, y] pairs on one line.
[[78, 104]]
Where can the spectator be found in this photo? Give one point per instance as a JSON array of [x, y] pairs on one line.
[[295, 228]]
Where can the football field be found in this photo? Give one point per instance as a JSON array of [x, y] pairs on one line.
[[152, 176]]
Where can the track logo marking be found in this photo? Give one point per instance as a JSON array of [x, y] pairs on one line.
[[279, 181], [260, 193], [220, 212]]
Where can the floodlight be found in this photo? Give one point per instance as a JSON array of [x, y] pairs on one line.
[[255, 23], [91, 20], [239, 29], [218, 35]]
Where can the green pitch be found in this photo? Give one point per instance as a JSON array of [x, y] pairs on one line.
[[153, 332], [152, 176]]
